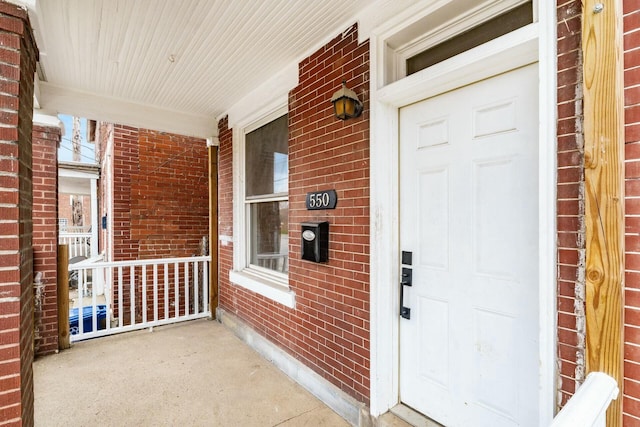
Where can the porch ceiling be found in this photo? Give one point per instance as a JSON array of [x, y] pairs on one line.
[[171, 65]]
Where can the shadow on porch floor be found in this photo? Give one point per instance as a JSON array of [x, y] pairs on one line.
[[191, 374]]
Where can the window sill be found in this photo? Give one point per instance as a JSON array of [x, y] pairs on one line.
[[264, 286]]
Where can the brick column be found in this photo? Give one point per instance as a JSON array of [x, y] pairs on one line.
[[18, 56], [46, 140]]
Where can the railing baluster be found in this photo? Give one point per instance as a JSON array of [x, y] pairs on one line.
[[186, 288], [106, 274], [205, 285], [94, 301], [120, 279], [196, 286], [79, 301], [176, 275], [166, 290], [132, 296], [143, 305], [155, 292]]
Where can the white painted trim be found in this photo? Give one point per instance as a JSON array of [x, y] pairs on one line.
[[344, 405], [521, 47], [68, 173], [90, 105], [512, 50], [263, 286], [547, 191], [448, 30], [49, 120], [263, 100]]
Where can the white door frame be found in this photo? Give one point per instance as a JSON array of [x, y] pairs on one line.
[[535, 42]]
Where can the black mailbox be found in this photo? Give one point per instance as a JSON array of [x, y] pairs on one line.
[[315, 241]]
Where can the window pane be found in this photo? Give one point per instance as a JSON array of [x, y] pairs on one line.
[[270, 235], [489, 30], [267, 150]]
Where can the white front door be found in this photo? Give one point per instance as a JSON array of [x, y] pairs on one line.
[[469, 217]]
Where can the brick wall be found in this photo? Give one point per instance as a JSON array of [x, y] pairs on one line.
[[161, 200], [125, 164], [329, 328], [571, 231], [631, 402], [45, 236], [18, 55]]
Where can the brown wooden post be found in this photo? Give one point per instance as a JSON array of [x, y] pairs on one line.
[[604, 190], [64, 339], [213, 229]]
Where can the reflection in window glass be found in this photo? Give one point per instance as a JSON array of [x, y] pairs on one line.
[[270, 235], [267, 164]]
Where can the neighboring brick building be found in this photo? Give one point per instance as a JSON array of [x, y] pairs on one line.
[[153, 191]]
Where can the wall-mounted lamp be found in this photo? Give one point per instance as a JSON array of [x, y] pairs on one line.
[[346, 104]]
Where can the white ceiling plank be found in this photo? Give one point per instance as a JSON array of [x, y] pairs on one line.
[[115, 53]]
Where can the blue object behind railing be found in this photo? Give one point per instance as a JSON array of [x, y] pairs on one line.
[[87, 321]]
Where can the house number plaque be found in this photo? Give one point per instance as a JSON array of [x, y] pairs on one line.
[[321, 200]]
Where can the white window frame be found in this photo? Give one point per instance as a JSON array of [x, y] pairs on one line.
[[270, 284]]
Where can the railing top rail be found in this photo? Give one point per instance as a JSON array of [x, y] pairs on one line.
[[590, 401], [129, 263]]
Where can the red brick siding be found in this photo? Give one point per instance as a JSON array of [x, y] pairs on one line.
[[18, 55], [125, 164], [225, 197], [169, 195], [329, 328], [571, 232], [161, 201], [631, 26], [45, 235]]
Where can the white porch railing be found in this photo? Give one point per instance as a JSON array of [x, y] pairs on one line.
[[140, 294], [588, 406], [79, 243]]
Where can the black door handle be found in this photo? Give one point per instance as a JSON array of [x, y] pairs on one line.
[[407, 279]]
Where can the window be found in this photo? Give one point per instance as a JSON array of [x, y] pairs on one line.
[[261, 206], [266, 196], [482, 33]]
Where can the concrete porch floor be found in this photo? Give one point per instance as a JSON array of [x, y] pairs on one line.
[[190, 374]]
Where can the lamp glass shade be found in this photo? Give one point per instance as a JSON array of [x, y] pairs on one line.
[[346, 103], [345, 108]]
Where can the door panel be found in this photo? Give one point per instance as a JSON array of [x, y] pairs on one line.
[[469, 214]]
